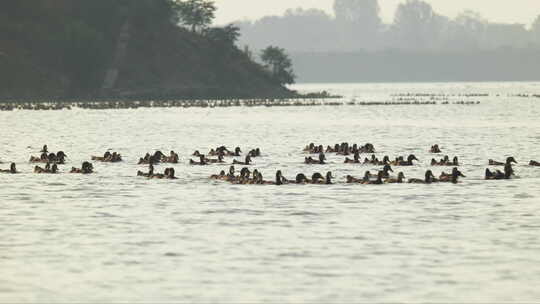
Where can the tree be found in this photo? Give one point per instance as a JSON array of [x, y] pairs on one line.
[[358, 23], [226, 36], [535, 30], [197, 14], [279, 64], [416, 25], [362, 12]]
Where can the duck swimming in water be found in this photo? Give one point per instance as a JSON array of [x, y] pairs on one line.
[[429, 178], [108, 157], [12, 169], [435, 149], [498, 175], [58, 158], [509, 160], [201, 162], [318, 179], [355, 160], [311, 161], [237, 152], [173, 158], [150, 172], [247, 161], [399, 180], [408, 162], [301, 179], [87, 168], [453, 177], [378, 181], [48, 169], [386, 171]]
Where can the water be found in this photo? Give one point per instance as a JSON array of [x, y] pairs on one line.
[[115, 237]]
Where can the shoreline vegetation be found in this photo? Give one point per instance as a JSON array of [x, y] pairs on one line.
[[143, 50]]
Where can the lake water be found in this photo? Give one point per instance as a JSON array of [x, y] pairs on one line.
[[113, 237]]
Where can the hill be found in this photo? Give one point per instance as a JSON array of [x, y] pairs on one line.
[[71, 48]]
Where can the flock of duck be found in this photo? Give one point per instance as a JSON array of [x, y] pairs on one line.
[[247, 176]]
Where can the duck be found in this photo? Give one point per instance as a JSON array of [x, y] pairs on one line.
[[435, 149], [301, 179], [237, 152], [170, 174], [219, 160], [453, 177], [309, 147], [45, 149], [534, 163], [219, 176], [247, 161], [355, 160], [173, 158], [48, 169], [509, 160], [497, 175], [408, 162], [387, 168], [108, 157], [255, 152], [311, 161], [318, 179], [398, 180], [385, 161], [378, 181], [429, 178], [353, 180], [150, 172], [201, 162], [86, 168], [12, 169], [58, 158]]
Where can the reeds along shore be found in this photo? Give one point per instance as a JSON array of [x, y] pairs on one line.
[[128, 104]]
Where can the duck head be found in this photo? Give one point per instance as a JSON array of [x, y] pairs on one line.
[[237, 150], [387, 168], [322, 157], [248, 160], [316, 177], [510, 160], [54, 168], [456, 172], [429, 176], [278, 178], [231, 170], [400, 177], [13, 168], [301, 178], [367, 176], [411, 158], [329, 177]]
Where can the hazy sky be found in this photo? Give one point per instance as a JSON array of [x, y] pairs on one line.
[[508, 11]]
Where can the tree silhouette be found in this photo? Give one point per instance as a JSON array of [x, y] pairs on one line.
[[279, 64], [535, 30], [197, 14]]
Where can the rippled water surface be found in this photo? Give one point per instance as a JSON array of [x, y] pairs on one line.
[[114, 237]]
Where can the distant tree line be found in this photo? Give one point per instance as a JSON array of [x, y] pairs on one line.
[[356, 25]]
